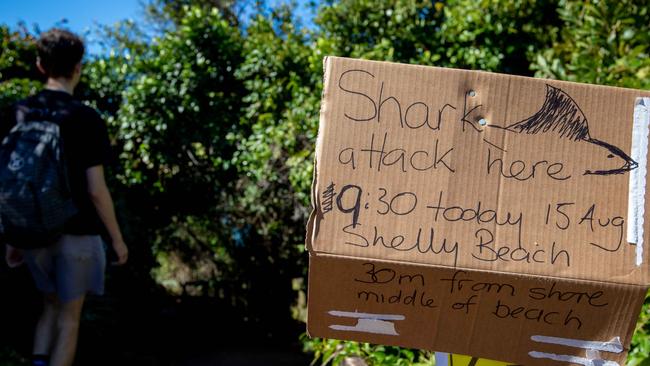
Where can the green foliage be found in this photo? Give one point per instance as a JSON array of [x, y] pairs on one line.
[[496, 35], [177, 100], [170, 12], [602, 42], [18, 75], [277, 129], [215, 124], [487, 34], [191, 258], [333, 352], [17, 52], [15, 89], [640, 352], [105, 79], [9, 357], [397, 30], [225, 222], [182, 102]]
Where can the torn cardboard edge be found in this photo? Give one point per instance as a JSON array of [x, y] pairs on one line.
[[313, 220]]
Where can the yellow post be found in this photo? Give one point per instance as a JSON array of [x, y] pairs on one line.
[[448, 359]]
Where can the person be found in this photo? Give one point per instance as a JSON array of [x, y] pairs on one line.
[[65, 272]]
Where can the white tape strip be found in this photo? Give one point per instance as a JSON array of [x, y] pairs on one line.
[[373, 326], [613, 345], [572, 359], [350, 314], [367, 322], [636, 194], [593, 354]]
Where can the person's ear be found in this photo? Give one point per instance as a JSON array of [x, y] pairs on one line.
[[40, 67], [77, 72]]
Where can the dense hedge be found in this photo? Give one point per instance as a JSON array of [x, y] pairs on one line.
[[214, 120]]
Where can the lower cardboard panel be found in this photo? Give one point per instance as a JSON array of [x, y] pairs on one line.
[[520, 319]]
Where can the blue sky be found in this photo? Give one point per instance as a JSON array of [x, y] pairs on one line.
[[81, 15]]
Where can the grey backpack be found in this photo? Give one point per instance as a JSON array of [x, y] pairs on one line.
[[35, 199]]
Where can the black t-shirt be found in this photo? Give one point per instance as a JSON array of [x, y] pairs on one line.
[[85, 144]]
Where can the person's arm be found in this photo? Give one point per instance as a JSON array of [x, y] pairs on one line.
[[101, 198]]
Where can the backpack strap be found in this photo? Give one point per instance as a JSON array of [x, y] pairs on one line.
[[26, 114]]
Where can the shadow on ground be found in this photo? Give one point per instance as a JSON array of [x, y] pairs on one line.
[[129, 326]]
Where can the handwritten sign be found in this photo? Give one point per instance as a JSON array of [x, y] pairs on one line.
[[495, 316], [475, 203], [505, 173]]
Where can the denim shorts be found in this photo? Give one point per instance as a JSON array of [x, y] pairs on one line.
[[71, 268]]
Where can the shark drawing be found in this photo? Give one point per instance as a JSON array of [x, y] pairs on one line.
[[561, 115]]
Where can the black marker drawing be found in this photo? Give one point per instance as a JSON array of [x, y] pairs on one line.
[[560, 114], [328, 198]]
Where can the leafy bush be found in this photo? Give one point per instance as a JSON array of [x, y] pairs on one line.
[[214, 120], [333, 352], [11, 358]]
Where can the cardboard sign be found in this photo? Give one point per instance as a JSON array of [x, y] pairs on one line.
[[477, 213]]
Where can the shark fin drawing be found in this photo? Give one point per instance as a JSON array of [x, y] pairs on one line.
[[561, 115]]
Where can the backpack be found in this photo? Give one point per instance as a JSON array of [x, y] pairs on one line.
[[35, 196]]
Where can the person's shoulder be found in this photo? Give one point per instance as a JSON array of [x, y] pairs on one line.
[[85, 113], [87, 110], [49, 100], [26, 102], [8, 112]]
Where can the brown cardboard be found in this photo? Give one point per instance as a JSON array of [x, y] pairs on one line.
[[491, 315], [508, 179]]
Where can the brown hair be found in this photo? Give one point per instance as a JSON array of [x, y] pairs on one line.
[[59, 51]]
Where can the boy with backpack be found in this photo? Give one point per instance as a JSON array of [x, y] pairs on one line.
[[54, 202]]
